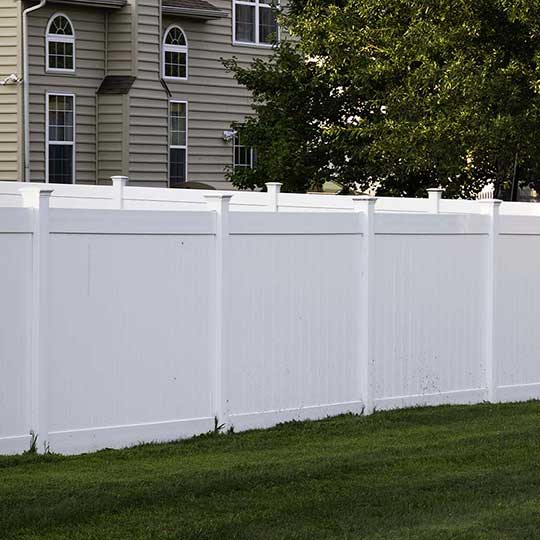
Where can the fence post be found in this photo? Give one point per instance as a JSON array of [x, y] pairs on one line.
[[119, 183], [273, 189], [220, 204], [37, 198], [491, 207], [366, 208], [435, 196]]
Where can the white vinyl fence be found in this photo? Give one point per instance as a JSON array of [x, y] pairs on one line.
[[119, 325]]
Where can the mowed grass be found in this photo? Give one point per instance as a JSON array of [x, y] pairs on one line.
[[434, 473]]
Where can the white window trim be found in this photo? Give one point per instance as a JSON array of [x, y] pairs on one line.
[[256, 4], [64, 39], [47, 141], [251, 153], [174, 48], [178, 146]]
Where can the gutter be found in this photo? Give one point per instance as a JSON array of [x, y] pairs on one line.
[[26, 90]]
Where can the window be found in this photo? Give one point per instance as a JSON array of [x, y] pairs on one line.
[[178, 138], [60, 44], [175, 54], [255, 22], [244, 156], [60, 147]]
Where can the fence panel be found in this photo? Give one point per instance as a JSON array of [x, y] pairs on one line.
[[293, 327], [130, 333], [517, 306], [429, 309], [15, 313]]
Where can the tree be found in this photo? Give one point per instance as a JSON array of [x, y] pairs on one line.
[[408, 93]]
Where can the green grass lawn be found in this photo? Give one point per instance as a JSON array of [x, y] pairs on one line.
[[439, 473]]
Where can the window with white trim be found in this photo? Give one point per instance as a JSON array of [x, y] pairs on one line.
[[60, 150], [255, 22], [178, 143], [175, 54], [244, 156], [60, 44]]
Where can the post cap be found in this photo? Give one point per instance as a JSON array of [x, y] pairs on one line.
[[36, 196], [436, 190], [43, 190], [364, 198], [273, 184], [120, 179], [219, 197], [494, 202]]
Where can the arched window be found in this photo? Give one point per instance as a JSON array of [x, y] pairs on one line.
[[175, 54], [60, 44]]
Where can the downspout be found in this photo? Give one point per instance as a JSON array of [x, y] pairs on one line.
[[26, 90]]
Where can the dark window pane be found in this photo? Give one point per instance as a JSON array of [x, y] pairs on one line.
[[60, 118], [60, 26], [245, 23], [60, 55], [175, 37], [177, 124], [61, 163], [177, 173], [175, 64], [268, 27], [243, 155], [68, 60]]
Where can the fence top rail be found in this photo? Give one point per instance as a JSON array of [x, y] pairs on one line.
[[122, 195]]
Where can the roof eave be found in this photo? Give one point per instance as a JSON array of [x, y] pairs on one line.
[[190, 13], [108, 4]]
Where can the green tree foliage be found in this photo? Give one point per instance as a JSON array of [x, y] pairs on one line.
[[411, 93]]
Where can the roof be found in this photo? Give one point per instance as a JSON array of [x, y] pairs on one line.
[[113, 4], [116, 84], [195, 9]]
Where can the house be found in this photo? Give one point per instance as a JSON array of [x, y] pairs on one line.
[[126, 87]]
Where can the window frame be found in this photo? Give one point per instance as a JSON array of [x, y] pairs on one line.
[[180, 147], [257, 4], [71, 143], [62, 39], [252, 154], [174, 48]]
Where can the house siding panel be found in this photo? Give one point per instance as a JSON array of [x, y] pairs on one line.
[[120, 39], [148, 112], [112, 157], [10, 95], [90, 69], [215, 98], [131, 135]]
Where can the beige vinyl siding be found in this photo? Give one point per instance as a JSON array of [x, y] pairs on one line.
[[89, 25], [148, 111], [120, 39], [215, 99], [10, 96], [112, 122]]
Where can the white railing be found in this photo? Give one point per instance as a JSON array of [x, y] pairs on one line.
[[488, 192], [124, 326]]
